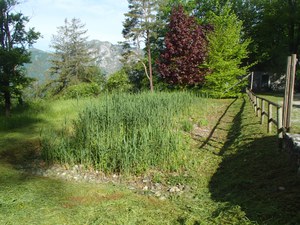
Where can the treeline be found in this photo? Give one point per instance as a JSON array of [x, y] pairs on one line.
[[206, 45]]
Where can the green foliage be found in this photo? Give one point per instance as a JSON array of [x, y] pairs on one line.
[[272, 25], [14, 40], [136, 76], [118, 82], [124, 133], [72, 60], [140, 29], [187, 125], [185, 48], [82, 90], [227, 51], [139, 82], [93, 73]]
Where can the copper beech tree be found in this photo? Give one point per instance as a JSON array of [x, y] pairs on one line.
[[185, 50]]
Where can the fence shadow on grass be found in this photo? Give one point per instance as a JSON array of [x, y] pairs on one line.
[[257, 176], [209, 138]]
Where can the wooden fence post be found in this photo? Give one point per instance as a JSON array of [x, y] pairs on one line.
[[289, 92], [251, 84], [279, 122], [269, 118], [255, 104], [285, 99], [262, 112]]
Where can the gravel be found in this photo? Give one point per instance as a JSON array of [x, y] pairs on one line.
[[140, 184]]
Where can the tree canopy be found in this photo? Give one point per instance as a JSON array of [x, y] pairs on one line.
[[226, 53], [139, 29], [14, 42], [185, 50], [72, 59]]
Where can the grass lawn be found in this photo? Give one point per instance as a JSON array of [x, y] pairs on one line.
[[234, 171]]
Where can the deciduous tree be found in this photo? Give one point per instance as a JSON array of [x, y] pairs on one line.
[[14, 42], [185, 50]]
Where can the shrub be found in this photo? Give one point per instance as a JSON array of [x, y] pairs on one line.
[[118, 82], [82, 90]]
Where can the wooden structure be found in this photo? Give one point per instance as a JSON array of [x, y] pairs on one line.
[[264, 109], [289, 92]]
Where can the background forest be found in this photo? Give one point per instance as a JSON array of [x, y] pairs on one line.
[[206, 45]]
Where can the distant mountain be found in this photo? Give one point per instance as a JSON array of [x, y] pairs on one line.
[[107, 57], [40, 63]]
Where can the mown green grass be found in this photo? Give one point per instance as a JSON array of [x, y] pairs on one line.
[[36, 200], [233, 174]]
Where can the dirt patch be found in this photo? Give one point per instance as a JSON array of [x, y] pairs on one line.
[[96, 198]]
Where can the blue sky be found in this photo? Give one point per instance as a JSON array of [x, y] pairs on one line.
[[103, 18]]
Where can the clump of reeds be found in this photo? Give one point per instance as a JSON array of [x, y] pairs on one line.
[[123, 133]]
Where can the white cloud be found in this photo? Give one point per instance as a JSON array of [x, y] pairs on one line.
[[103, 18]]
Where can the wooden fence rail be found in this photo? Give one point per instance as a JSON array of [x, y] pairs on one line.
[[264, 109]]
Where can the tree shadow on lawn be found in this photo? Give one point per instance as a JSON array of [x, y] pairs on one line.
[[256, 175], [21, 117], [26, 199]]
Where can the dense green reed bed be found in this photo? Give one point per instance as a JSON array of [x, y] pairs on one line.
[[125, 133]]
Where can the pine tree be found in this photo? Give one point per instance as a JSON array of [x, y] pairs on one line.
[[139, 28], [72, 58], [185, 50], [226, 53]]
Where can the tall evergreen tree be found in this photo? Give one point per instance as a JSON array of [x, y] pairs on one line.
[[185, 50], [72, 58], [227, 49], [139, 28], [14, 41]]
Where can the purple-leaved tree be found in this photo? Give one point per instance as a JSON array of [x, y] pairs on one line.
[[181, 62]]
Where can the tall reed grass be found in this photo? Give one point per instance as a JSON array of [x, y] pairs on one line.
[[123, 133]]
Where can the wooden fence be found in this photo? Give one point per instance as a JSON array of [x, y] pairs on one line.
[[264, 109]]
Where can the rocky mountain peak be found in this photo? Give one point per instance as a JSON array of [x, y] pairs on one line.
[[107, 57]]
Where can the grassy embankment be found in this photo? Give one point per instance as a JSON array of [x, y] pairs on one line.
[[234, 170]]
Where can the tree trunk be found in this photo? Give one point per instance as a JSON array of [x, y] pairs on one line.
[[7, 100], [150, 62]]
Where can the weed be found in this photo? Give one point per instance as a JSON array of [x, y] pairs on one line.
[[186, 125], [203, 122]]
